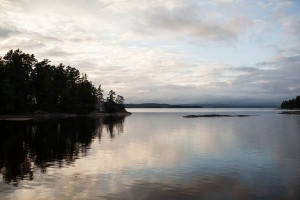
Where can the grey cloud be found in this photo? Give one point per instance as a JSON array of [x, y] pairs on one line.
[[7, 31], [190, 20], [289, 60], [294, 27], [276, 4], [33, 42], [85, 65], [249, 84], [4, 32], [241, 69], [263, 64], [246, 69], [280, 80], [57, 53]]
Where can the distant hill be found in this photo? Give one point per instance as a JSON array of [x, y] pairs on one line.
[[239, 106], [159, 105]]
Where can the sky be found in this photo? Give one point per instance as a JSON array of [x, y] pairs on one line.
[[166, 51]]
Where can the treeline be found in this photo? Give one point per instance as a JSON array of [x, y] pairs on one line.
[[27, 85], [291, 104]]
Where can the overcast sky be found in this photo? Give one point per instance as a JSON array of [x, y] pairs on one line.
[[166, 51]]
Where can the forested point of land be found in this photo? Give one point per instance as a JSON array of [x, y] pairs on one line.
[[28, 85], [291, 104]]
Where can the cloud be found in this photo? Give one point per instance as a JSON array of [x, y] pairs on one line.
[[178, 21], [174, 51], [6, 31], [291, 26], [277, 80]]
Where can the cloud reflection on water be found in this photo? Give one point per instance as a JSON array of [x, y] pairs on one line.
[[161, 156]]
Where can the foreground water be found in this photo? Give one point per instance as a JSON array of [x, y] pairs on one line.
[[153, 154]]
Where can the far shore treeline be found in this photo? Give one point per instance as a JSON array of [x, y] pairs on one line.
[[291, 103], [28, 85]]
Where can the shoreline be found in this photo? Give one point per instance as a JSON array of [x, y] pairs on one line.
[[41, 116], [290, 112], [214, 115]]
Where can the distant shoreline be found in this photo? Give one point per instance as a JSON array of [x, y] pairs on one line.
[[291, 112], [161, 105]]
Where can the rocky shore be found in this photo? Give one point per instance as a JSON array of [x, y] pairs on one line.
[[292, 112], [214, 115], [40, 115]]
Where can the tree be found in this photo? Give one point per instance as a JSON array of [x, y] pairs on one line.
[[27, 85], [87, 96], [114, 104], [16, 70], [99, 94], [291, 104], [120, 100], [111, 96], [43, 84]]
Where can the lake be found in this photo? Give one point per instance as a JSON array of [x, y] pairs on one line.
[[153, 154]]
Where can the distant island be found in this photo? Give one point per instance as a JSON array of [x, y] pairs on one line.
[[31, 86], [291, 103], [159, 105], [213, 115]]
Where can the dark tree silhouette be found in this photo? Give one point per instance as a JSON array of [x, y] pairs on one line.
[[120, 99], [113, 105], [291, 104], [16, 91], [27, 85]]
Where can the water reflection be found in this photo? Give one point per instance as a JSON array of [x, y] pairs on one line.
[[206, 187], [25, 146], [211, 187], [159, 156]]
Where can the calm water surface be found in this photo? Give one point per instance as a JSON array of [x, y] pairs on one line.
[[153, 154]]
